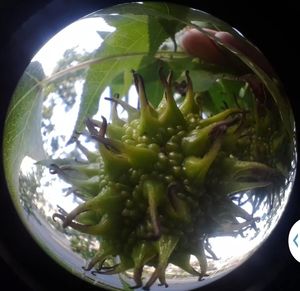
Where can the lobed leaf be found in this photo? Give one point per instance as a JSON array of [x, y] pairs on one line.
[[22, 133], [123, 50]]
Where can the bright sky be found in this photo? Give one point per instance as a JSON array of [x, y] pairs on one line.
[[82, 34]]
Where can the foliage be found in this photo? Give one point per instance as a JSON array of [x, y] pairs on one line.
[[22, 134], [31, 199]]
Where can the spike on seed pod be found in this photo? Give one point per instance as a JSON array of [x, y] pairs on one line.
[[189, 104], [148, 121], [170, 113]]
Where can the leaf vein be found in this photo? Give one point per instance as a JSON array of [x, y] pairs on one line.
[[20, 100]]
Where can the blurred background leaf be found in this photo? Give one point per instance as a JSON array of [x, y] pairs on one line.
[[22, 133]]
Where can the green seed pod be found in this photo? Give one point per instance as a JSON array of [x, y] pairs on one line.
[[161, 182]]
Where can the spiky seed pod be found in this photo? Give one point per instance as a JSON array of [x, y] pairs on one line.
[[160, 183]]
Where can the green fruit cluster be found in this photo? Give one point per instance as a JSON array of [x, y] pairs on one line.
[[160, 184]]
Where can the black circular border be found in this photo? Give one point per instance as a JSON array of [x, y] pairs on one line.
[[26, 25]]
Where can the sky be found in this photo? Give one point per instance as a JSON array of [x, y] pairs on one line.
[[82, 34]]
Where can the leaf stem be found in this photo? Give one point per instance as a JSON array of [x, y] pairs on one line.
[[88, 63]]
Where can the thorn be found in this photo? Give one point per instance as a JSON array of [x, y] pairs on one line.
[[140, 87], [166, 82], [106, 142], [103, 127], [100, 135], [170, 113]]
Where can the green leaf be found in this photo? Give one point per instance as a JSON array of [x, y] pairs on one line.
[[169, 26], [169, 11], [123, 50], [121, 84], [22, 133], [226, 93], [202, 80], [169, 17]]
